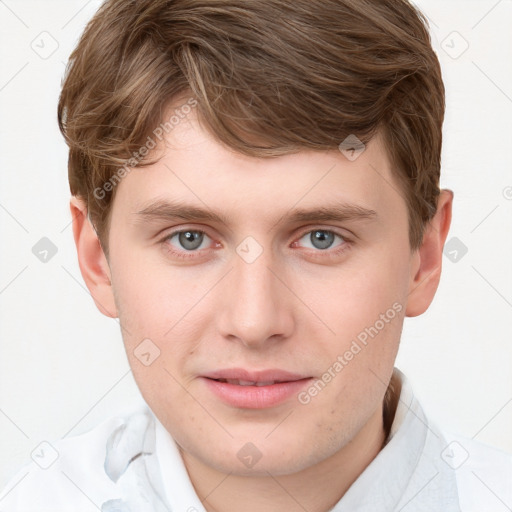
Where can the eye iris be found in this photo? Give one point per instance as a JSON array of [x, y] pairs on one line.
[[191, 239], [322, 239]]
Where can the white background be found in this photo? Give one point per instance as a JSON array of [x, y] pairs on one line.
[[62, 364]]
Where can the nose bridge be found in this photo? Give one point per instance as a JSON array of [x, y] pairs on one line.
[[255, 304]]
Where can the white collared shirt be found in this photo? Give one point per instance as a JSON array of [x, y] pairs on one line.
[[121, 466]]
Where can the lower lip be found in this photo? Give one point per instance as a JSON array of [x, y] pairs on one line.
[[256, 397]]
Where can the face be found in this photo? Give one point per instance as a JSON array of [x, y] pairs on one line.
[[273, 318]]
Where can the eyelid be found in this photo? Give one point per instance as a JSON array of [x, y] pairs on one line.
[[333, 230], [171, 234], [303, 232], [174, 231]]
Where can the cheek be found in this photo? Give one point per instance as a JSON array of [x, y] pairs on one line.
[[353, 296], [154, 307], [362, 303], [155, 299], [160, 312]]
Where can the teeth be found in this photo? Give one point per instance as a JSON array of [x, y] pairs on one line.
[[247, 382], [244, 382]]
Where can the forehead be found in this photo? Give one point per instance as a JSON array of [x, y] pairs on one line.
[[198, 171]]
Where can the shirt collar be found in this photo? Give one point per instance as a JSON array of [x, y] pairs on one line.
[[180, 494], [408, 474]]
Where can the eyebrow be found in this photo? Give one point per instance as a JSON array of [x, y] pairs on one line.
[[166, 210]]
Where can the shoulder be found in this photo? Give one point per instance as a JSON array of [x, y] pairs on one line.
[[67, 474], [483, 474]]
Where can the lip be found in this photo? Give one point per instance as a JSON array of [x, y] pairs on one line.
[[286, 384]]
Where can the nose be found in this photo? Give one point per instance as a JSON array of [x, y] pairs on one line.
[[255, 307]]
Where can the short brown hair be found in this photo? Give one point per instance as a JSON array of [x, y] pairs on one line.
[[269, 77]]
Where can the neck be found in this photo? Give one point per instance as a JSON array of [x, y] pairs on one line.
[[316, 489]]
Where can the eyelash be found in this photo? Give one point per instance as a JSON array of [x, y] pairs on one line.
[[185, 255]]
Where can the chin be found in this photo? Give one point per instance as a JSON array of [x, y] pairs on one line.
[[259, 458]]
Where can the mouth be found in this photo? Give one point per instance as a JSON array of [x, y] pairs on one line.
[[255, 389], [245, 377]]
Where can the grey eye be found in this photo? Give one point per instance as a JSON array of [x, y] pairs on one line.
[[320, 239], [189, 240]]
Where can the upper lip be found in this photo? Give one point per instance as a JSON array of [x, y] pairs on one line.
[[271, 375]]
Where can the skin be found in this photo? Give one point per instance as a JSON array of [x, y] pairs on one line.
[[297, 307]]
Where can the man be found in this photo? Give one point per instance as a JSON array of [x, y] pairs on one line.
[[256, 198]]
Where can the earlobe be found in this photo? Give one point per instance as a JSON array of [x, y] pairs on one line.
[[427, 261], [92, 260]]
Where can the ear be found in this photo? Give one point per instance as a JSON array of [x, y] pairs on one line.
[[427, 261], [92, 260]]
